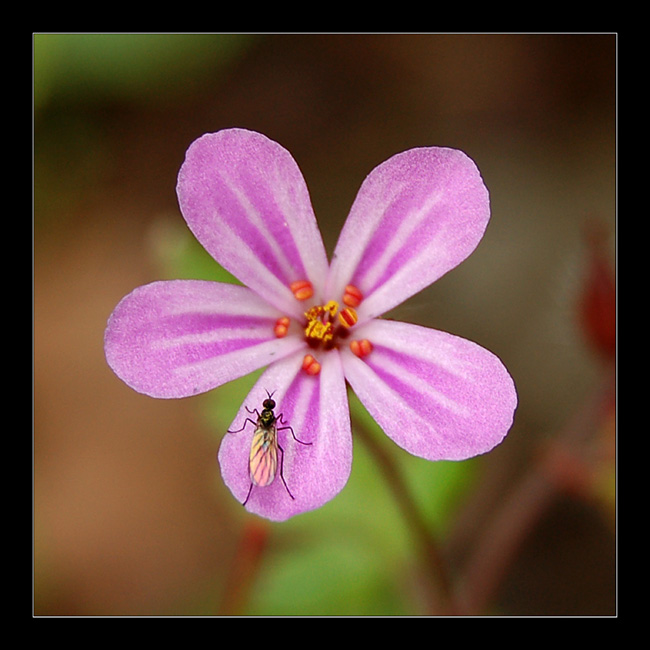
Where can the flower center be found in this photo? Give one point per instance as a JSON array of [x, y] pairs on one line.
[[326, 325], [323, 328]]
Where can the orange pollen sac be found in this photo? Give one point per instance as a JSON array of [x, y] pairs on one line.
[[310, 365], [352, 296], [302, 289], [348, 317], [361, 348], [281, 327]]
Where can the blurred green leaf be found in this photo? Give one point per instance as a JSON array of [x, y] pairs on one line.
[[179, 255], [133, 67], [355, 555]]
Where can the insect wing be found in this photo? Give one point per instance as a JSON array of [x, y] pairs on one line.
[[263, 463]]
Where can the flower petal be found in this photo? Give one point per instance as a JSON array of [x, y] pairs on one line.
[[436, 395], [182, 337], [316, 409], [245, 199], [416, 216]]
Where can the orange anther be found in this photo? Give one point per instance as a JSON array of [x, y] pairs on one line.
[[361, 348], [281, 327], [352, 296], [348, 317], [302, 289], [310, 365]]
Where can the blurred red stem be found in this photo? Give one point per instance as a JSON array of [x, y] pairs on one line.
[[244, 567]]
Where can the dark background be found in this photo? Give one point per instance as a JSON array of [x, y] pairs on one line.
[[130, 515]]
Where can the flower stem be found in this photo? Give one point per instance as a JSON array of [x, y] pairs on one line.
[[244, 567], [438, 582], [519, 512]]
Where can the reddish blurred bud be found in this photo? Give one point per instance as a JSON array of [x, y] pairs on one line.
[[597, 301]]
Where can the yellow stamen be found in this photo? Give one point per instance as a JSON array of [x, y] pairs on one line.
[[319, 322], [318, 331]]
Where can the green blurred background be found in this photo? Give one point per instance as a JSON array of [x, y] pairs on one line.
[[130, 514]]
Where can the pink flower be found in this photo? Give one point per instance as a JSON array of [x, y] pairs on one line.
[[314, 325]]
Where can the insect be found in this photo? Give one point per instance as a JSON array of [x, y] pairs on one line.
[[263, 459]]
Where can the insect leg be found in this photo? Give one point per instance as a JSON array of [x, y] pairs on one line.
[[282, 472], [250, 489], [245, 421], [281, 421]]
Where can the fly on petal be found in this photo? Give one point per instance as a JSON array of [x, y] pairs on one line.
[[265, 449]]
